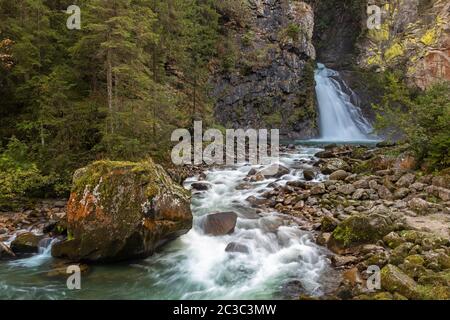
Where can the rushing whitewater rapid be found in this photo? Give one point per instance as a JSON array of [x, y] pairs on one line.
[[282, 261], [340, 119]]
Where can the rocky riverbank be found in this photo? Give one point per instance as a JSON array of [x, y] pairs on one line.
[[31, 228], [39, 217], [374, 209], [368, 206]]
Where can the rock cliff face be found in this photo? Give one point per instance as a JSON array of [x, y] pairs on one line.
[[414, 37], [269, 82]]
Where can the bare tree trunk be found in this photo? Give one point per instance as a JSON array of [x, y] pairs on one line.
[[115, 86], [41, 132], [194, 105], [109, 83], [155, 93]]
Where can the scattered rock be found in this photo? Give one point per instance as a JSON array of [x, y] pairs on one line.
[[244, 186], [361, 229], [385, 144], [60, 204], [340, 261], [59, 270], [360, 194], [219, 224], [339, 175], [406, 180], [353, 276], [419, 205], [401, 193], [346, 189], [393, 240], [442, 181], [318, 188], [328, 224], [270, 223], [201, 186], [252, 172], [326, 154], [274, 171], [257, 177], [237, 247], [309, 174], [417, 186], [333, 165], [257, 202], [384, 193], [394, 280], [26, 243], [293, 289], [323, 238], [361, 184]]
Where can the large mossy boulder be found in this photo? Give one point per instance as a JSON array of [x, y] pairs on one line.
[[122, 210], [361, 229], [394, 280]]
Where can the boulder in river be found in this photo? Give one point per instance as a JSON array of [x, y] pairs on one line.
[[237, 247], [309, 174], [122, 210], [274, 171], [326, 154], [201, 186], [219, 224], [26, 243]]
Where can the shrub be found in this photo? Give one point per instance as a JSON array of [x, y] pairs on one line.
[[19, 178], [421, 119]]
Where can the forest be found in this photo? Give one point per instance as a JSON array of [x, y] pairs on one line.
[[115, 89]]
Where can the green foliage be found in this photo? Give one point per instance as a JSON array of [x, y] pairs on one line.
[[273, 120], [248, 38], [18, 177], [422, 119], [229, 55], [115, 89], [236, 11], [293, 31]]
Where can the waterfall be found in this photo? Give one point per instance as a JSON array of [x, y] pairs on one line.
[[340, 119]]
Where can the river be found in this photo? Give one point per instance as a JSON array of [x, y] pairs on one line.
[[282, 259]]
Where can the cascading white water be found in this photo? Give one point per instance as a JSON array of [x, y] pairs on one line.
[[282, 259], [340, 119]]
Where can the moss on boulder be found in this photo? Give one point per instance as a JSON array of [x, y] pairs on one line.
[[122, 210], [361, 229], [26, 243], [394, 280]]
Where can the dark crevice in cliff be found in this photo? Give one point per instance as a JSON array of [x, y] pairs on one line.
[[338, 27]]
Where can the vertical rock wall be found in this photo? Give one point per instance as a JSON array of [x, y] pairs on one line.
[[270, 81]]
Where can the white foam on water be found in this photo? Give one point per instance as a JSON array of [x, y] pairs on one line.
[[44, 254], [278, 250]]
